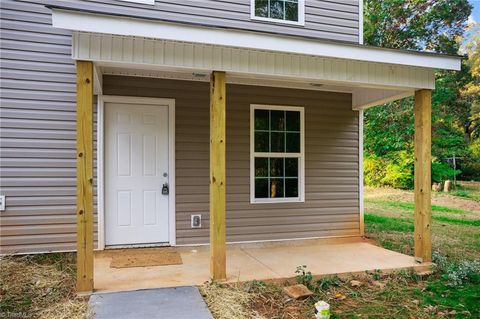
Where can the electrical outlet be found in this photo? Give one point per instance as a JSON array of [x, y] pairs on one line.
[[2, 203], [196, 221]]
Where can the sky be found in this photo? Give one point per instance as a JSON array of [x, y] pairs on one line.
[[475, 16]]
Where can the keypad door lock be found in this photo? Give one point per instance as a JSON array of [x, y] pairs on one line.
[[165, 189]]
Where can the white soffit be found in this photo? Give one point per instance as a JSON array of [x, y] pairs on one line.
[[87, 22], [362, 98], [136, 52]]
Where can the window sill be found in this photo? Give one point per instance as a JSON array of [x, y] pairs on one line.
[[150, 2], [278, 21], [276, 200]]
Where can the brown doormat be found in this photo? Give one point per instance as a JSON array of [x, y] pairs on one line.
[[144, 257]]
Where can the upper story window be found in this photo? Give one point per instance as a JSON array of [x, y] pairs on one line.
[[283, 11], [276, 154]]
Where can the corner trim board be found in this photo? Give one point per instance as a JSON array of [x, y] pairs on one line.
[[360, 173]]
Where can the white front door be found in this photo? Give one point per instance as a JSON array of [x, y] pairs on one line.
[[136, 168]]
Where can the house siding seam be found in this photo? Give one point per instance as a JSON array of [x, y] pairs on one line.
[[331, 205], [332, 19]]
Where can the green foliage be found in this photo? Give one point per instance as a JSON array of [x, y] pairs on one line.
[[304, 276], [442, 172], [394, 170], [399, 171], [327, 282], [415, 24], [389, 129]]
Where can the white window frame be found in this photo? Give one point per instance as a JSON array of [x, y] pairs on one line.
[[301, 155], [150, 2], [301, 15]]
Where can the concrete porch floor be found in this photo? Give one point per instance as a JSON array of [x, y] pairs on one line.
[[261, 261]]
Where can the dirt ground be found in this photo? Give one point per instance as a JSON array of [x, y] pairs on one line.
[[389, 223]]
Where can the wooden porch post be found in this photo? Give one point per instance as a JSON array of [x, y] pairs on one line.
[[423, 209], [218, 269], [84, 177]]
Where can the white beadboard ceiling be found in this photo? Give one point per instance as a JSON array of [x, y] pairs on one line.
[[370, 83]]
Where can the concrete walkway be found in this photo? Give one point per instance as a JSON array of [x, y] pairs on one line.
[[162, 303]]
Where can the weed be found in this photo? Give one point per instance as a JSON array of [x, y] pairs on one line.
[[304, 276], [259, 284], [327, 282]]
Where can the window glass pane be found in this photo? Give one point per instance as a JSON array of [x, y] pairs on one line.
[[261, 8], [291, 11], [277, 120], [276, 167], [277, 142], [276, 9], [276, 188], [261, 142], [261, 120], [293, 121], [291, 167], [291, 187], [261, 167], [293, 143], [261, 187]]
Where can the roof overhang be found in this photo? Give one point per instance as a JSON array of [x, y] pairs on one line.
[[121, 45], [126, 26]]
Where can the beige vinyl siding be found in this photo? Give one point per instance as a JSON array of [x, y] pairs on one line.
[[37, 137], [332, 19], [331, 206]]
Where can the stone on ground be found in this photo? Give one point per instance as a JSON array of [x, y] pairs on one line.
[[297, 291]]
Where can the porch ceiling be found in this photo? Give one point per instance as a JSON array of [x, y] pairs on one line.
[[362, 97], [159, 48]]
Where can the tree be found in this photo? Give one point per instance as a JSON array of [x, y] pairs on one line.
[[432, 25]]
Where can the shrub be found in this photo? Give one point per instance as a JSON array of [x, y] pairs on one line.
[[456, 274], [395, 170], [373, 169], [442, 172]]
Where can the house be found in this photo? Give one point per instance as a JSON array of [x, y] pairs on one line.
[[142, 122]]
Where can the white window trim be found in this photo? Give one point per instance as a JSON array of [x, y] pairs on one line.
[[301, 15], [301, 157], [150, 2]]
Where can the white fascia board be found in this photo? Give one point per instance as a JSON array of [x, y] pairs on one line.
[[86, 22]]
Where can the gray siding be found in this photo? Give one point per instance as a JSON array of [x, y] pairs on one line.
[[37, 140], [331, 160], [332, 19], [37, 122]]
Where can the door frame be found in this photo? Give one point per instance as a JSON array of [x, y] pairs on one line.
[[101, 100]]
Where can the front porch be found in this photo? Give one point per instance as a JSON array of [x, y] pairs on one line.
[[217, 89], [259, 261]]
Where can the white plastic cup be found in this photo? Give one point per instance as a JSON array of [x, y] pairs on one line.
[[323, 310]]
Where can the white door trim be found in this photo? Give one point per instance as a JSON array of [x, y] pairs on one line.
[[101, 100]]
